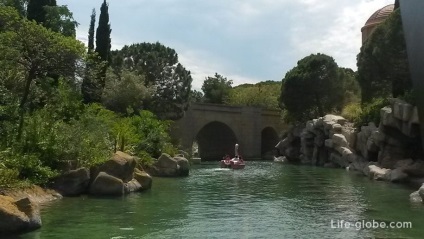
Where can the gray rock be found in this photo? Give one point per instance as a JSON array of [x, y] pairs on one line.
[[18, 216], [398, 176], [121, 166], [415, 197], [143, 178], [379, 174], [106, 184], [184, 166], [132, 186], [414, 117], [73, 182], [421, 192], [339, 140], [167, 166]]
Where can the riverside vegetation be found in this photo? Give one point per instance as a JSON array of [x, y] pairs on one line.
[[62, 103]]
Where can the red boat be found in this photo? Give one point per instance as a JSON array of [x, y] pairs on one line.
[[235, 163]]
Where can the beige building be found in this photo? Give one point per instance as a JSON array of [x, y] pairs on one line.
[[376, 18]]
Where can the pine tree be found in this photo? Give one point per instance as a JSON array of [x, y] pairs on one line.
[[36, 11], [103, 41], [91, 31]]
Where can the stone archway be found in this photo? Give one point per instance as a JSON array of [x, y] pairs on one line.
[[269, 138], [215, 139]]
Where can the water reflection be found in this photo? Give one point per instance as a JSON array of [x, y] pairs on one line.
[[265, 200]]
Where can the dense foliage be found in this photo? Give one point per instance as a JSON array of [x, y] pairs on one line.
[[44, 123], [383, 69], [312, 88], [263, 95], [216, 89], [162, 71]]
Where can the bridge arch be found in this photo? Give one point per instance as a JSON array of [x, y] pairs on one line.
[[269, 138], [216, 128], [215, 139]]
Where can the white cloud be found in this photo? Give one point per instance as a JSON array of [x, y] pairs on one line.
[[243, 40], [202, 65], [340, 37]]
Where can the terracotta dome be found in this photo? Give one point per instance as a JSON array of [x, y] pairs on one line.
[[376, 18]]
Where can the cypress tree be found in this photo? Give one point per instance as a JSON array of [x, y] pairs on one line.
[[91, 31], [103, 42]]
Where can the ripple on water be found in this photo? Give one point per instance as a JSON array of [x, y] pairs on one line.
[[264, 200]]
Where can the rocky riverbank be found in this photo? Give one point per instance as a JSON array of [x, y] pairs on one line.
[[19, 208], [390, 152]]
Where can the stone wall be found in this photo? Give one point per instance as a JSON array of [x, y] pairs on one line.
[[390, 152]]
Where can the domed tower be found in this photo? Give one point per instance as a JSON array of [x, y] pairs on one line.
[[376, 18]]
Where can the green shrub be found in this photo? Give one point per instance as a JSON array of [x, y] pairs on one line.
[[170, 149], [145, 159], [153, 133], [352, 112], [8, 177], [409, 97], [29, 166], [371, 112]]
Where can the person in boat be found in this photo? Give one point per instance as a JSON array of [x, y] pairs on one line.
[[236, 152]]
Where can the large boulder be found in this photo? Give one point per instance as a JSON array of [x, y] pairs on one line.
[[377, 173], [415, 170], [18, 216], [415, 197], [143, 178], [167, 166], [106, 184], [398, 176], [132, 186], [421, 192], [184, 166], [73, 182], [121, 166]]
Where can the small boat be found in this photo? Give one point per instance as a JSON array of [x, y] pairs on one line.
[[235, 163]]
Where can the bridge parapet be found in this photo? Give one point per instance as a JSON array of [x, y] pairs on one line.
[[221, 126]]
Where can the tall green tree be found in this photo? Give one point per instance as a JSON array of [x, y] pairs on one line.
[[60, 19], [125, 94], [92, 87], [196, 96], [383, 69], [38, 52], [91, 31], [170, 80], [19, 5], [36, 10], [103, 41], [312, 88], [216, 89]]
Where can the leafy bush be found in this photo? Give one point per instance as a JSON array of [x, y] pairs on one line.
[[8, 177], [145, 159], [29, 167], [152, 132], [371, 112], [409, 97], [352, 112]]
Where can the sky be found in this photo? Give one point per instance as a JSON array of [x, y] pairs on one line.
[[247, 41]]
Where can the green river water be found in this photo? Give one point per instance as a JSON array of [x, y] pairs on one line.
[[265, 200]]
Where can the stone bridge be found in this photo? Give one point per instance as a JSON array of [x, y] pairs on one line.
[[217, 128]]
